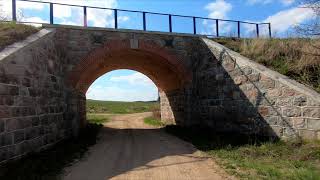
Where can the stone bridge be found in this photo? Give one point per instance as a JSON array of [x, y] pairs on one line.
[[43, 81]]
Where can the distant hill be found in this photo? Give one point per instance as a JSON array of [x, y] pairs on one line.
[[117, 107]]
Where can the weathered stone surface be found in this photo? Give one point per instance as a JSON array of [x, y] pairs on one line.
[[313, 124], [311, 112], [291, 111], [19, 136], [6, 139], [307, 134]]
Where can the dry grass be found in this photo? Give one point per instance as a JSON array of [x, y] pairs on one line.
[[298, 58], [11, 32]]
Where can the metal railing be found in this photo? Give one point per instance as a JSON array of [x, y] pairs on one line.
[[144, 19]]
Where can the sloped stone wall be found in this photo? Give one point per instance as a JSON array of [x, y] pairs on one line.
[[287, 107]]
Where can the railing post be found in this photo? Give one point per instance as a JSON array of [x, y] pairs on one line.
[[217, 27], [194, 25], [85, 22], [257, 28], [115, 18], [270, 35], [239, 32], [170, 23], [144, 21], [51, 13], [14, 10]]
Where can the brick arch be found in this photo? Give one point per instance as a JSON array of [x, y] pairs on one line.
[[164, 68]]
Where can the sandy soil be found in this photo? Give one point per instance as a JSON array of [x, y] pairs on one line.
[[129, 149]]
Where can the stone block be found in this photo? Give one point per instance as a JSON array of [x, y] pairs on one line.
[[312, 112], [17, 123], [307, 134], [6, 139], [313, 124], [273, 93], [299, 123], [291, 111], [32, 132], [284, 101], [272, 120], [266, 82], [19, 136], [253, 77], [9, 90], [240, 80], [2, 126], [300, 101], [286, 91]]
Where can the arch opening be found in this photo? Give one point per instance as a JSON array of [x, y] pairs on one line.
[[166, 72]]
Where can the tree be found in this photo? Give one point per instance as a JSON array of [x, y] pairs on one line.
[[311, 28]]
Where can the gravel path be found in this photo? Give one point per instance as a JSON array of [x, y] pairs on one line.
[[129, 149]]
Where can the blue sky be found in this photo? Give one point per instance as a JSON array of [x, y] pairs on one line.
[[126, 85]]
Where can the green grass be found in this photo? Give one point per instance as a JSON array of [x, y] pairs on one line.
[[11, 32], [97, 119], [248, 157], [49, 164], [153, 121], [114, 107]]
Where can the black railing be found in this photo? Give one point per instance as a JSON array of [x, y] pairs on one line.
[[144, 19]]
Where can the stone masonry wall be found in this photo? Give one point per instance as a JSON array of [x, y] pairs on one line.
[[32, 97], [284, 106]]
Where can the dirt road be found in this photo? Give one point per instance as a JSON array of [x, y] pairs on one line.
[[129, 149]]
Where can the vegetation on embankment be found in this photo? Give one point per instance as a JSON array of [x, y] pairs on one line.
[[155, 119], [11, 32], [115, 107], [49, 164], [298, 58], [98, 118], [256, 158]]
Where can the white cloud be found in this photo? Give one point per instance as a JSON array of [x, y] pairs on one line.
[[286, 19], [115, 93], [218, 9], [133, 79], [132, 87]]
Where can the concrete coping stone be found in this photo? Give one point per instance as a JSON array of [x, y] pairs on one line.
[[243, 61], [120, 30], [21, 44]]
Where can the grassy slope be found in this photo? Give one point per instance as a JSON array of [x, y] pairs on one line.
[[153, 121], [12, 32], [254, 158], [98, 118], [294, 57], [113, 107]]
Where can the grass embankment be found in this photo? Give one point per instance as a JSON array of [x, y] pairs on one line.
[[155, 118], [49, 164], [114, 107], [11, 32], [97, 118], [153, 122], [254, 158], [298, 58]]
